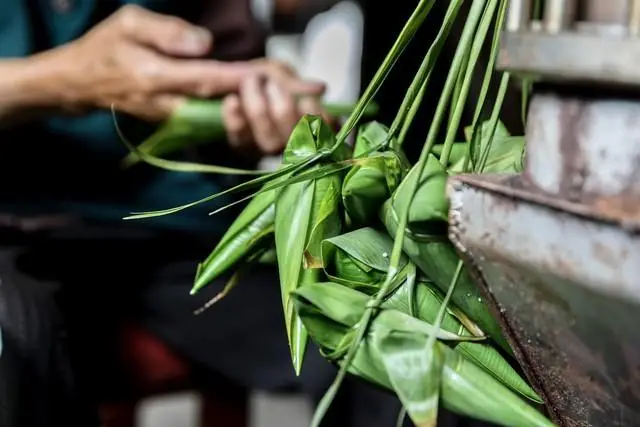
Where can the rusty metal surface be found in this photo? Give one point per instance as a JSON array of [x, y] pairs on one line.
[[586, 57], [609, 11], [565, 289], [571, 151]]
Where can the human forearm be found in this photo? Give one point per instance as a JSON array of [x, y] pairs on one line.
[[29, 86]]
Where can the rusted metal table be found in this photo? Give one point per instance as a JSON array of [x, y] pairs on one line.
[[556, 249]]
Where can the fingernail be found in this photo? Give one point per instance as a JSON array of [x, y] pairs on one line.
[[197, 40]]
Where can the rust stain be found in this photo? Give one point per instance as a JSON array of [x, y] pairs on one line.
[[573, 172], [619, 206]]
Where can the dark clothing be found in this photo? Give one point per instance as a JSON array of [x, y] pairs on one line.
[[103, 278], [37, 385]]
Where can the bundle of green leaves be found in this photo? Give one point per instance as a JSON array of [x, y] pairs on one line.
[[360, 239]]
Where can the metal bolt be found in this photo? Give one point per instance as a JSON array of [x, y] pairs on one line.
[[519, 15], [559, 15], [634, 17]]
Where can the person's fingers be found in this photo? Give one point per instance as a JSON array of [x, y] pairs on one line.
[[283, 109], [255, 104], [168, 34], [286, 76], [236, 124], [201, 78], [312, 105], [299, 86], [153, 109]]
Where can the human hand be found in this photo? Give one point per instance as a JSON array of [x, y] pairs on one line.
[[268, 105], [143, 63]]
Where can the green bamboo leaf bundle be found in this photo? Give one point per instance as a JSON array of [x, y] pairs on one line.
[[428, 246], [306, 213], [330, 312], [359, 260], [376, 306], [369, 184], [200, 121]]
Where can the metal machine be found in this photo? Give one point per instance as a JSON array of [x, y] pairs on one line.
[[556, 249]]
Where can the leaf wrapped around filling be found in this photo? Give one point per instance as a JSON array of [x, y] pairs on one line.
[[362, 255], [307, 212], [392, 355], [198, 121], [428, 246], [367, 185]]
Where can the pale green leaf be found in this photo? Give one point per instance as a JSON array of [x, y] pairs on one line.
[[415, 372]]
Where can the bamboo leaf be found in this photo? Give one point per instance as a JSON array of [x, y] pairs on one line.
[[194, 121], [306, 213], [338, 303], [200, 121], [429, 203], [469, 390], [268, 178], [254, 224], [492, 362], [465, 387], [504, 151], [346, 306], [269, 256], [369, 184], [439, 260], [406, 358], [457, 156], [172, 164], [428, 301], [367, 246], [326, 221]]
